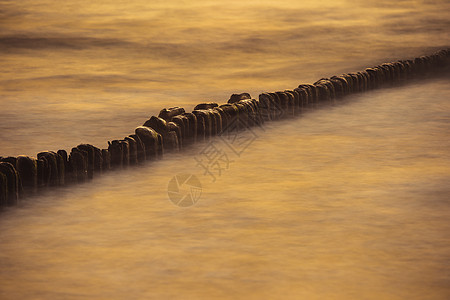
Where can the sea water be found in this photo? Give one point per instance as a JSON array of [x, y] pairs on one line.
[[347, 201]]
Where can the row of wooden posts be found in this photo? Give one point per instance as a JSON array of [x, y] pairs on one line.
[[175, 128]]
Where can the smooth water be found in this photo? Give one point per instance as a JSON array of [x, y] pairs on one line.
[[349, 201]]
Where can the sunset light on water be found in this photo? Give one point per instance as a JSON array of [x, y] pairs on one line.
[[347, 201]]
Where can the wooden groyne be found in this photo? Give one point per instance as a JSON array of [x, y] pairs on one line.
[[174, 128]]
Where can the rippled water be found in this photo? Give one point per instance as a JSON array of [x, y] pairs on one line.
[[349, 201]]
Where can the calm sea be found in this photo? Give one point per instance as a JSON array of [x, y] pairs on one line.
[[349, 201]]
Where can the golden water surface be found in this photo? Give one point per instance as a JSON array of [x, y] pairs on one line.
[[349, 201]]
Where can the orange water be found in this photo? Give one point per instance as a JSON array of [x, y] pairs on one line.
[[346, 202]]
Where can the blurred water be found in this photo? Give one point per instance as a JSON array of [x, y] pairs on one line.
[[89, 71], [347, 202]]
